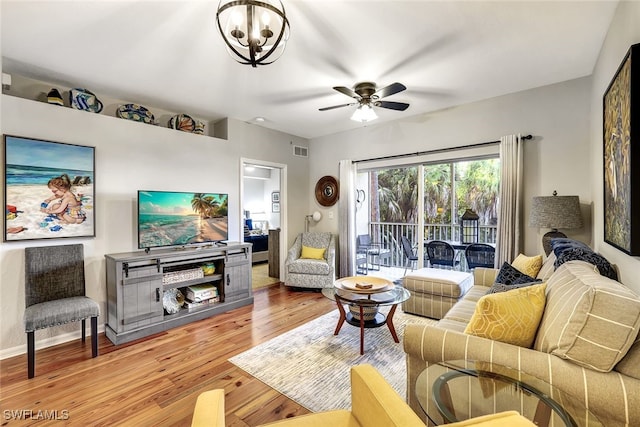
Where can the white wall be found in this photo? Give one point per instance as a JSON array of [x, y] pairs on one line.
[[557, 159], [623, 32], [254, 197], [132, 156]]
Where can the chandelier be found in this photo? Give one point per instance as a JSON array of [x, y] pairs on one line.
[[255, 32]]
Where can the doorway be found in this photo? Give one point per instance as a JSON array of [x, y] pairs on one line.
[[264, 213]]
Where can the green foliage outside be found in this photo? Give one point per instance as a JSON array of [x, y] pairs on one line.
[[395, 192]]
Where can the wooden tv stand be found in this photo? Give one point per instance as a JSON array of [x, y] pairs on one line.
[[136, 282]]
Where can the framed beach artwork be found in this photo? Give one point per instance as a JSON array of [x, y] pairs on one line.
[[48, 189], [621, 155]]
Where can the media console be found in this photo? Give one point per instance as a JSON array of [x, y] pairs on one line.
[[137, 281]]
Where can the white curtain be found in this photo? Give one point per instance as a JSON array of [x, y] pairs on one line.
[[347, 218], [509, 240]]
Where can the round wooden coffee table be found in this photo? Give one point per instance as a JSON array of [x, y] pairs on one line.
[[363, 302]]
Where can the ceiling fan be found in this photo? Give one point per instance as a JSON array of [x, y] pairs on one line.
[[367, 97]]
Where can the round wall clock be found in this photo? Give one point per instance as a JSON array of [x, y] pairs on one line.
[[327, 191]]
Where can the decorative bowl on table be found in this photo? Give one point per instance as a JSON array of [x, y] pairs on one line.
[[368, 312], [363, 284]]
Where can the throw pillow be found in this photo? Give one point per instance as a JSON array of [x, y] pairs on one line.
[[529, 265], [509, 275], [511, 317], [561, 244], [587, 255], [501, 287], [312, 253]]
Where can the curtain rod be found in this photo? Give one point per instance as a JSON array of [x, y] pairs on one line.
[[436, 151]]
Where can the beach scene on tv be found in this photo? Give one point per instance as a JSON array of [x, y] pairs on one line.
[[176, 218], [48, 189]]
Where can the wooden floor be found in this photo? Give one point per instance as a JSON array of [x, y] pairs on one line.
[[155, 381]]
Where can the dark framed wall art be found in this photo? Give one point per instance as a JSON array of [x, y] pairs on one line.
[[621, 128], [48, 189]]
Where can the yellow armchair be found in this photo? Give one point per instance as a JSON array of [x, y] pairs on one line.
[[373, 403]]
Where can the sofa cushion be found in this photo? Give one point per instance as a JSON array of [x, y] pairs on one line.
[[529, 265], [630, 363], [510, 275], [309, 266], [511, 317], [589, 319], [548, 267]]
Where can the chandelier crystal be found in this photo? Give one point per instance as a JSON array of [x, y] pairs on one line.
[[255, 32]]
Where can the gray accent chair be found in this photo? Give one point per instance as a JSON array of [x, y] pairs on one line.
[[311, 273], [55, 294]]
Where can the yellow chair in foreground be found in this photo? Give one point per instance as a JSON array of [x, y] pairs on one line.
[[373, 403]]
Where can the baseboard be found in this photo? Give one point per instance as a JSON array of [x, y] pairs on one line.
[[48, 342]]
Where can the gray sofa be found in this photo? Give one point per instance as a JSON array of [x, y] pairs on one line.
[[586, 345], [311, 273]]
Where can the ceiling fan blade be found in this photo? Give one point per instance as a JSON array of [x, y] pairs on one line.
[[389, 90], [346, 91], [338, 106], [400, 106]]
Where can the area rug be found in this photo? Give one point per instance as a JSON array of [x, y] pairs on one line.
[[260, 276], [311, 366]]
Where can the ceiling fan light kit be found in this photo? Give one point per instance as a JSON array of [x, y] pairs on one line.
[[255, 32], [367, 97], [364, 113]]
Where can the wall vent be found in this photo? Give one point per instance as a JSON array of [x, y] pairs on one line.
[[300, 151]]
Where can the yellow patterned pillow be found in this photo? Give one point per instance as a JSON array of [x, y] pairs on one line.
[[512, 317], [529, 265], [312, 253]]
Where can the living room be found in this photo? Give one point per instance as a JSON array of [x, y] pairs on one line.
[[565, 155]]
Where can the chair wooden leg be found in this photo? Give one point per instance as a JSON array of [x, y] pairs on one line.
[[94, 336], [31, 354], [83, 327]]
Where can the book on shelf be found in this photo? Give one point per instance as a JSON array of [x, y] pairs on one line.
[[192, 304]]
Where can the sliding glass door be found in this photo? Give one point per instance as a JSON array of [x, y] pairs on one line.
[[425, 202]]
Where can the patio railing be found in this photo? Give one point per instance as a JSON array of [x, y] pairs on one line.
[[390, 233]]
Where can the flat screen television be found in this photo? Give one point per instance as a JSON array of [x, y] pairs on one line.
[[172, 218]]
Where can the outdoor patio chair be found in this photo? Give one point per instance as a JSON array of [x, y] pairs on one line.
[[408, 254], [480, 255], [55, 294], [442, 253], [375, 252]]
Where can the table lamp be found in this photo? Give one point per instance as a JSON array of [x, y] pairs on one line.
[[555, 212]]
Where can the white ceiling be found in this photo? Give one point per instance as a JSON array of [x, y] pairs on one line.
[[170, 54]]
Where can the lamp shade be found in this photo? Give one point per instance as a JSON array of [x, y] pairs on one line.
[[317, 216], [555, 212]]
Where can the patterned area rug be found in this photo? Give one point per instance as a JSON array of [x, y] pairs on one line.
[[311, 366]]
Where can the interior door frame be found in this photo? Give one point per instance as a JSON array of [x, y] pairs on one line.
[[283, 204]]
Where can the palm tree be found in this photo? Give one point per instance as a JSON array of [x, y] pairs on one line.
[[199, 204]]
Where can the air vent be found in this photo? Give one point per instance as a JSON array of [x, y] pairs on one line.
[[300, 151]]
